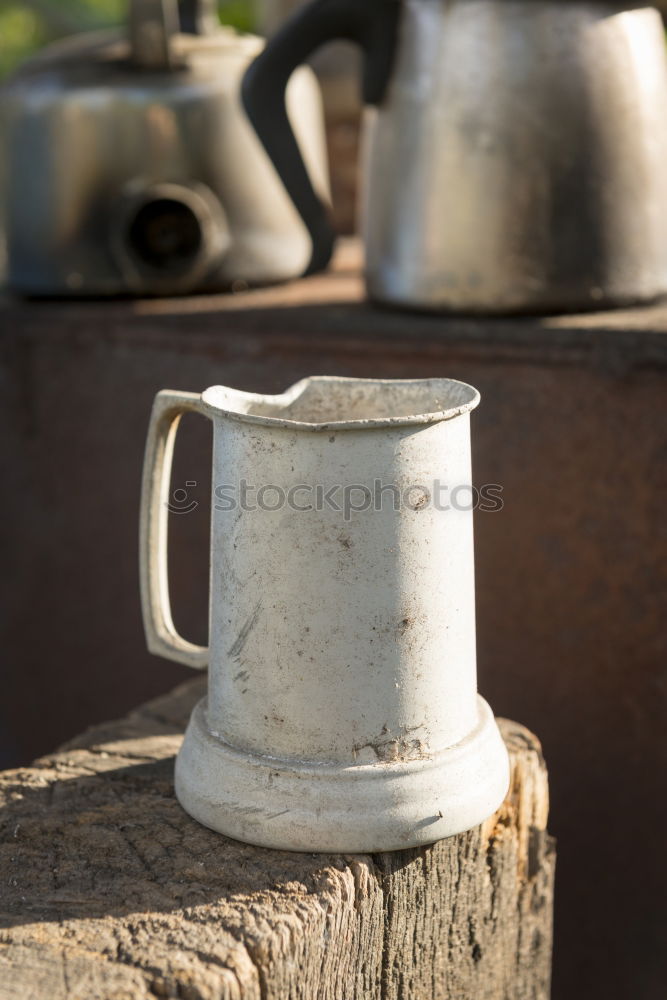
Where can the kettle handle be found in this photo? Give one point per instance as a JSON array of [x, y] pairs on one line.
[[198, 17], [373, 25], [161, 635], [152, 23]]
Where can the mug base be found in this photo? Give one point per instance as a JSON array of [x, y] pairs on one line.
[[336, 808]]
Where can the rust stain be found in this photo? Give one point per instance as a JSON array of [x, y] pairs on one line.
[[391, 749]]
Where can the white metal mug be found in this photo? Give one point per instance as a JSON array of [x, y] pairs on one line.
[[342, 711]]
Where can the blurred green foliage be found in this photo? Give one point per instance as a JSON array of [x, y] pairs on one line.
[[25, 25]]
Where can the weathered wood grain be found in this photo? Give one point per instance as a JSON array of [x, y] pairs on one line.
[[108, 891]]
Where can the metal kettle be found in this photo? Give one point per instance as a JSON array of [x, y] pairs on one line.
[[130, 166], [515, 150]]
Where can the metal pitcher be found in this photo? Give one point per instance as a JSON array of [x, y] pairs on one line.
[[342, 710]]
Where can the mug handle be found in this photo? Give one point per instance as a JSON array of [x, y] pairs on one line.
[[161, 635]]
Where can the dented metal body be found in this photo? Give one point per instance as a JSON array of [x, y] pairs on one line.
[[342, 711]]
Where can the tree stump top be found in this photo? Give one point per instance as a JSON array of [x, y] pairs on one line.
[[111, 891]]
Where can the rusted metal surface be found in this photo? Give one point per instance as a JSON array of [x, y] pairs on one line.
[[571, 574]]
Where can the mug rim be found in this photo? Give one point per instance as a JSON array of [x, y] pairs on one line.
[[365, 423]]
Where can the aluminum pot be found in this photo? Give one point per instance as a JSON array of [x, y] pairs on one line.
[[515, 150], [342, 710], [130, 166]]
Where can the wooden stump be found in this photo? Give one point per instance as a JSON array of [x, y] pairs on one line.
[[110, 891]]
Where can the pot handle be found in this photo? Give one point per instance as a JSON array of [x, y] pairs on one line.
[[373, 25], [162, 638]]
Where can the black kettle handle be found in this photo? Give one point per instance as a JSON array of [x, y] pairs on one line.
[[198, 17], [372, 24]]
